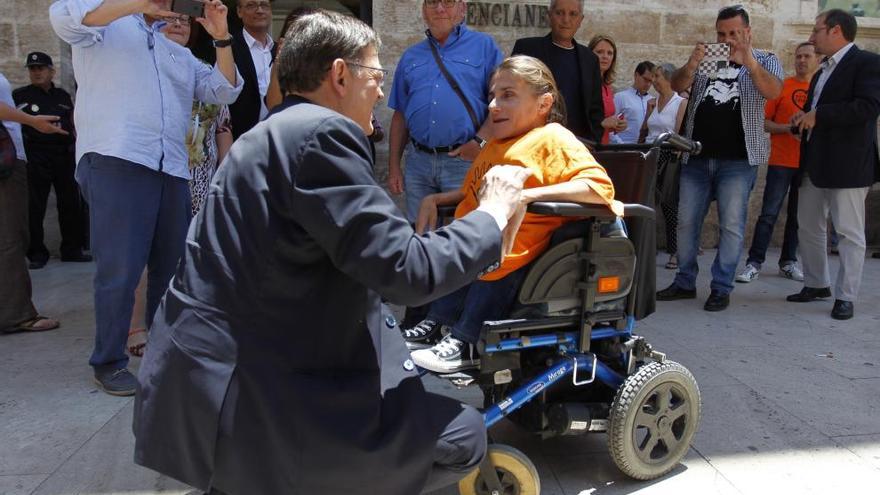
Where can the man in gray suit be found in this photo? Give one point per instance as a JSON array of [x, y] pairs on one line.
[[839, 160], [272, 367]]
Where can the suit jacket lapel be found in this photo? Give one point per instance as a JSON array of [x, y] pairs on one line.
[[844, 62]]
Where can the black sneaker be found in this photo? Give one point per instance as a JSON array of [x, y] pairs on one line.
[[674, 292], [448, 356], [717, 301], [116, 382], [36, 264], [423, 335]]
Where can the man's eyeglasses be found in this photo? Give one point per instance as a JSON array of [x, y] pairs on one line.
[[254, 6], [376, 73], [447, 4], [177, 20]]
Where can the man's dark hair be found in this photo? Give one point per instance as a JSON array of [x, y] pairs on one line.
[[731, 12], [842, 18], [644, 66], [803, 44], [314, 41]]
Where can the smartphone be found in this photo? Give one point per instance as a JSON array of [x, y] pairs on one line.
[[192, 8], [620, 116]]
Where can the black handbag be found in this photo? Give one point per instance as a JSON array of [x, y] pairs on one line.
[[8, 155]]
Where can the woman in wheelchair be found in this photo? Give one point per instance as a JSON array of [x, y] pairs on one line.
[[527, 115]]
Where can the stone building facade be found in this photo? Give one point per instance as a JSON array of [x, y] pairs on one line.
[[656, 30]]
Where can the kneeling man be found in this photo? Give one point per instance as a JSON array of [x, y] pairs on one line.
[[271, 366]]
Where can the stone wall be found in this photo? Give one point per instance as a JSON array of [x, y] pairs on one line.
[[657, 30]]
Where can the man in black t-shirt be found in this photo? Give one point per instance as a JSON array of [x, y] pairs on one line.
[[728, 118], [574, 66]]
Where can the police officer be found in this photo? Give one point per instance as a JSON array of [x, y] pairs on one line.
[[51, 162]]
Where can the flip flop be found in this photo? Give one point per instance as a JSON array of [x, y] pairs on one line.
[[137, 341], [37, 324]]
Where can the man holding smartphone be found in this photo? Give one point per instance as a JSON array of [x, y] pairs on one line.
[[135, 93]]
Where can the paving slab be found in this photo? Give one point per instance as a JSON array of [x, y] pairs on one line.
[[789, 400]]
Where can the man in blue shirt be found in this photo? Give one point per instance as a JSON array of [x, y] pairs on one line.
[[134, 99], [430, 121], [634, 103]]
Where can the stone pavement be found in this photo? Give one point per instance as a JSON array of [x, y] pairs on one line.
[[790, 400]]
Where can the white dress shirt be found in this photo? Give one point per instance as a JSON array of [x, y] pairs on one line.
[[827, 69], [262, 57]]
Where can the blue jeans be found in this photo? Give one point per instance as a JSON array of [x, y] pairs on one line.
[[780, 180], [466, 309], [702, 180], [138, 217], [429, 173]]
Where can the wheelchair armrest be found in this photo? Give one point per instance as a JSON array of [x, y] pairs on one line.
[[599, 212]]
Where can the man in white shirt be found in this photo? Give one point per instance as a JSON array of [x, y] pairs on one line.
[[633, 103], [254, 52]]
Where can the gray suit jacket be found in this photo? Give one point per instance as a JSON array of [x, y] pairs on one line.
[[271, 367]]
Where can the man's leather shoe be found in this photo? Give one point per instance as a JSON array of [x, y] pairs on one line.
[[37, 264], [79, 257], [717, 301], [843, 310], [808, 294], [674, 292]]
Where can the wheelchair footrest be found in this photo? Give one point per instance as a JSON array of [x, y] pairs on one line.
[[462, 378]]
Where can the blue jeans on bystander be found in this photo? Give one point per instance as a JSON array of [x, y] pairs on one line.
[[780, 180], [429, 173], [729, 182]]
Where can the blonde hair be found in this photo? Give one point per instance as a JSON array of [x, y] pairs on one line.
[[608, 76], [539, 79]]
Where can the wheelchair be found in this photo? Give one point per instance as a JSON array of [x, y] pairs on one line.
[[568, 362]]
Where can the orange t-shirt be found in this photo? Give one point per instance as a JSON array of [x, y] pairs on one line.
[[785, 150], [555, 156]]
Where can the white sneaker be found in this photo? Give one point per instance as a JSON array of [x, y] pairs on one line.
[[792, 270], [749, 273], [448, 356]]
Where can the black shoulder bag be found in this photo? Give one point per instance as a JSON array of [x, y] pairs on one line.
[[455, 86]]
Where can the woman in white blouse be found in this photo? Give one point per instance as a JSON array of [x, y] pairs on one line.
[[665, 114]]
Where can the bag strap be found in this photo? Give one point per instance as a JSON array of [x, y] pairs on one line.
[[455, 86]]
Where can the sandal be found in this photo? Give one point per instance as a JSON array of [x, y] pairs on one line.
[[37, 324], [137, 341], [672, 264]]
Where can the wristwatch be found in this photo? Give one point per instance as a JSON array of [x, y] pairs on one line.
[[223, 43], [480, 141]]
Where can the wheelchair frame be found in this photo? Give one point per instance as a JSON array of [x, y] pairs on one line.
[[572, 348]]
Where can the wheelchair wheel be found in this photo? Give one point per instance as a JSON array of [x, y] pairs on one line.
[[653, 419], [517, 473]]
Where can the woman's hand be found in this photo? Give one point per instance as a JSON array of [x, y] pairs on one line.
[[615, 124], [427, 217]]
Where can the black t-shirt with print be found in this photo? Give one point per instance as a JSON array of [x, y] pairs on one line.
[[718, 121]]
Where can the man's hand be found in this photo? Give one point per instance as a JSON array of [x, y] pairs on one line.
[[155, 8], [214, 21], [697, 56], [427, 217], [468, 151], [741, 49], [652, 104], [395, 179], [47, 124], [805, 121], [501, 190]]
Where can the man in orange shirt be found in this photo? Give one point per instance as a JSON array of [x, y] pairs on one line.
[[782, 171]]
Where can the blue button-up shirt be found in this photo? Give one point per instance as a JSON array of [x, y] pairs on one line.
[[14, 128], [633, 106], [136, 88], [435, 115]]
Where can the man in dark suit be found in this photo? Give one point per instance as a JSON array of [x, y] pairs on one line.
[[839, 160], [254, 53], [272, 368], [574, 66]]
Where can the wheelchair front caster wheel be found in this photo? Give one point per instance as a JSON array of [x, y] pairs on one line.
[[654, 417], [516, 472]]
